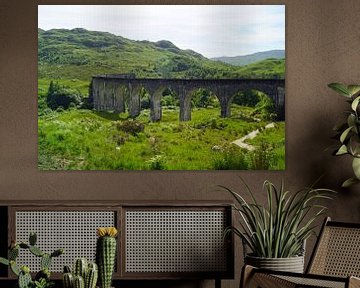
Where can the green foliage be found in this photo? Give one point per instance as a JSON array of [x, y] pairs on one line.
[[157, 163], [279, 229], [42, 278], [62, 97], [43, 283], [349, 132], [80, 54], [265, 108], [203, 98], [88, 140], [247, 98], [130, 126], [230, 158]]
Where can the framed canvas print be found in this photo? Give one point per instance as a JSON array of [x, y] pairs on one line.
[[161, 87]]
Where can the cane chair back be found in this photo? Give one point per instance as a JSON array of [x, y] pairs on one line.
[[337, 252], [335, 262]]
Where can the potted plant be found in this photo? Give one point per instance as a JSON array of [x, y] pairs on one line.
[[349, 132], [42, 278], [276, 233]]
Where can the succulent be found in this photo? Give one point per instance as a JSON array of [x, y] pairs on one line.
[[91, 276], [348, 132], [106, 254], [80, 267], [85, 275], [79, 282], [23, 273]]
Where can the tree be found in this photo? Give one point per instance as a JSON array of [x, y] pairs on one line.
[[62, 96]]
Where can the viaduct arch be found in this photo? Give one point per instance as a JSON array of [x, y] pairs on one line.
[[109, 93]]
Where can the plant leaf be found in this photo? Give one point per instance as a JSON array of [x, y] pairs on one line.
[[349, 182], [356, 167], [345, 134], [342, 150], [340, 88], [355, 103], [353, 89]]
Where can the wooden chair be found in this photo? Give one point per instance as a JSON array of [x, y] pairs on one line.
[[335, 262]]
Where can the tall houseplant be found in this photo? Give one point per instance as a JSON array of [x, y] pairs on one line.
[[349, 131], [279, 229]]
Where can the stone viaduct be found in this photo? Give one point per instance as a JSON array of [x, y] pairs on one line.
[[109, 93]]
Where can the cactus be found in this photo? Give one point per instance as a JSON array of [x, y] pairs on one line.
[[91, 276], [23, 273], [4, 261], [24, 280], [45, 261], [68, 280], [44, 273], [88, 273], [13, 253], [14, 268], [32, 238], [105, 254], [79, 282], [36, 251], [80, 267]]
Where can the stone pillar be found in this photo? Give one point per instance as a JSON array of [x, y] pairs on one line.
[[155, 105], [94, 98], [225, 107], [185, 105], [119, 103], [101, 102], [134, 101], [280, 103]]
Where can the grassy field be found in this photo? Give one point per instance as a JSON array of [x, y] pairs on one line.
[[89, 140]]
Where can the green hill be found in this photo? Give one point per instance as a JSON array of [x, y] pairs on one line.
[[252, 58], [80, 54]]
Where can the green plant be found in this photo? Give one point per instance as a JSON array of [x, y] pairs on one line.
[[42, 278], [279, 229], [85, 275], [349, 132], [105, 254]]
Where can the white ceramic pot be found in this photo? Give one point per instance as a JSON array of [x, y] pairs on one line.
[[291, 264]]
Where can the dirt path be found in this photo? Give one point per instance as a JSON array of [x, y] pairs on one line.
[[241, 142]]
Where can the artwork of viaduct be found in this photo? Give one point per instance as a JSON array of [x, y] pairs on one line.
[[111, 92]]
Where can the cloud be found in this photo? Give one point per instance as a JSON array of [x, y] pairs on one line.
[[213, 30]]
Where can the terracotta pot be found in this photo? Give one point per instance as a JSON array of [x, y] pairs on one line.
[[291, 264]]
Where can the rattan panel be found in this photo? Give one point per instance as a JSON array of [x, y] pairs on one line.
[[175, 241], [75, 231], [338, 253], [312, 282]]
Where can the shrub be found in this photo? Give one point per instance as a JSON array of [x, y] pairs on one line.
[[133, 127], [62, 96], [230, 158], [157, 163], [265, 108], [262, 158]]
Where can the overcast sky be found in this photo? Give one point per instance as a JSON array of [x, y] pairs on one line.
[[212, 30]]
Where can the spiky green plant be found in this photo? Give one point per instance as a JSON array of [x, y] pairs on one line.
[[106, 254], [42, 278], [279, 229], [349, 132], [85, 274]]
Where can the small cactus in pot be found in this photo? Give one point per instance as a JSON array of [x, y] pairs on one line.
[[85, 275], [106, 254], [42, 278]]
